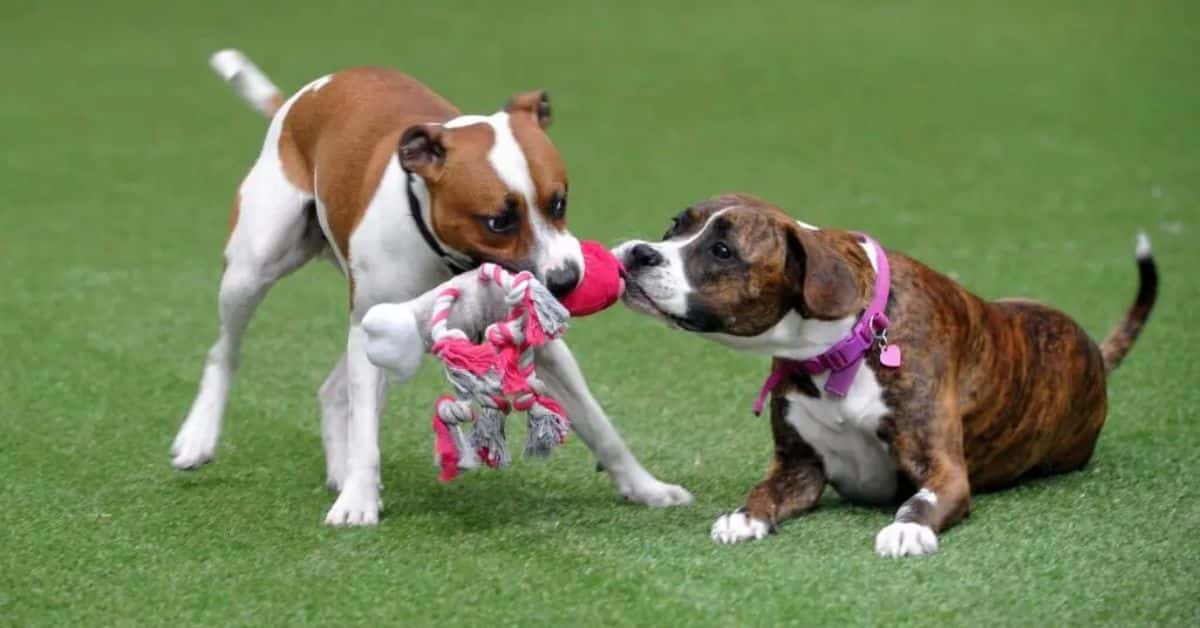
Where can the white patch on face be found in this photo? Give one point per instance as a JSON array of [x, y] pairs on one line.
[[805, 225], [553, 249], [666, 284], [508, 160]]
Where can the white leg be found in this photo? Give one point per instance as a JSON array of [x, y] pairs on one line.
[[242, 289], [334, 397], [558, 369], [359, 504], [260, 252], [335, 416], [272, 236]]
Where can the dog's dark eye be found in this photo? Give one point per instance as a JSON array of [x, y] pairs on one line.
[[506, 220], [558, 206], [721, 251]]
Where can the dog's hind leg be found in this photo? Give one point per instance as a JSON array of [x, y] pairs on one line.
[[335, 413], [274, 232]]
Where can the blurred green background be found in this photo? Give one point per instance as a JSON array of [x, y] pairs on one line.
[[1017, 146]]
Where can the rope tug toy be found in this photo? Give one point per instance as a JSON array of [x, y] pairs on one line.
[[512, 315]]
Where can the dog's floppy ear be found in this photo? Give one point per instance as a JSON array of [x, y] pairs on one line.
[[536, 102], [421, 150], [826, 288]]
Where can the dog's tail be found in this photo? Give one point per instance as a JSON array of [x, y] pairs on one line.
[[247, 80], [1120, 339]]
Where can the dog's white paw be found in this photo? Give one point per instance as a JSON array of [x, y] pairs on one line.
[[905, 539], [355, 507], [736, 527], [193, 447], [649, 491]]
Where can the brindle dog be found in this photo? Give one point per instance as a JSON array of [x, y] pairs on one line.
[[989, 393]]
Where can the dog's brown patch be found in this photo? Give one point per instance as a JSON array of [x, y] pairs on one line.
[[346, 132], [337, 140], [468, 192], [1014, 385]]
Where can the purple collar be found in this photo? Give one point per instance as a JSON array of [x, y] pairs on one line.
[[846, 355]]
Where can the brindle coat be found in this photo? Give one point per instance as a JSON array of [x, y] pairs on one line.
[[989, 393]]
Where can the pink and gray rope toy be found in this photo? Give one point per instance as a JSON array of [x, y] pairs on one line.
[[511, 315]]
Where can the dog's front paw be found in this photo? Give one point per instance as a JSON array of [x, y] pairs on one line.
[[651, 492], [736, 527], [193, 447], [356, 506], [905, 539]]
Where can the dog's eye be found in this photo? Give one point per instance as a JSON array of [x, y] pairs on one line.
[[721, 251], [558, 206], [506, 220]]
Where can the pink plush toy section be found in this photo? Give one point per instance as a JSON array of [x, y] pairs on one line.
[[602, 282]]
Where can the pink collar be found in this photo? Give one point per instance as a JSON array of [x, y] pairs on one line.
[[846, 355]]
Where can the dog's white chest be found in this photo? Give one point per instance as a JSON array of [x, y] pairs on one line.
[[843, 433]]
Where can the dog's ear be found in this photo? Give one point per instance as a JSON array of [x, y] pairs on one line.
[[536, 103], [421, 150], [825, 285]]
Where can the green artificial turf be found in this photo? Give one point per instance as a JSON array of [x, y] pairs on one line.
[[1017, 145]]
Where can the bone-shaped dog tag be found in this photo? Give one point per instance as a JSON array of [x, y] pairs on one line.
[[889, 356]]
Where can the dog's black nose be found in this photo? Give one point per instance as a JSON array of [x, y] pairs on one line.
[[644, 255], [562, 280]]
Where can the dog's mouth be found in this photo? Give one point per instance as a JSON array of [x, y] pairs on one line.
[[638, 299]]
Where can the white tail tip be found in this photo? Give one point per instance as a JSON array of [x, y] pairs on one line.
[[226, 63], [1143, 246], [246, 79]]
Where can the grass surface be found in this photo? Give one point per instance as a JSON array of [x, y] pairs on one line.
[[1018, 146]]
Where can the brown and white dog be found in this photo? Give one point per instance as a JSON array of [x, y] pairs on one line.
[[989, 393], [377, 172]]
